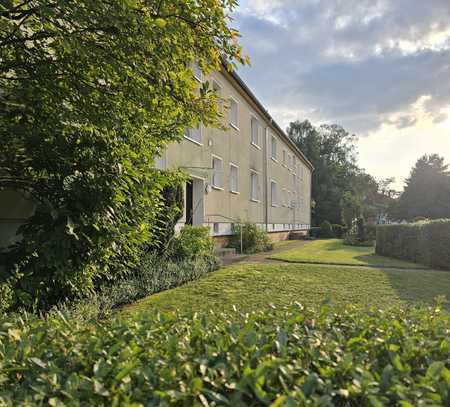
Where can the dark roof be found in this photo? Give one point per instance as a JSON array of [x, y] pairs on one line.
[[247, 90]]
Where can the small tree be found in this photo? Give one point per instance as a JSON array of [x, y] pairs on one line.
[[91, 92]]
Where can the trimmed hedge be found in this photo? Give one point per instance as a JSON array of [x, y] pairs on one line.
[[427, 243], [288, 357]]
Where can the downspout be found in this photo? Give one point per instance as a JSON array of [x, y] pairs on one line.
[[265, 176]]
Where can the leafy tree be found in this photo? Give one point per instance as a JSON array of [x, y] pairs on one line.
[[426, 192], [91, 91], [331, 150]]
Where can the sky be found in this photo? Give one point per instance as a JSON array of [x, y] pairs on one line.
[[379, 68]]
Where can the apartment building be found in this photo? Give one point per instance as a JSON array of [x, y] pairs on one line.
[[249, 172]]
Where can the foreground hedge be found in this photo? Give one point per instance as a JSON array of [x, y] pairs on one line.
[[423, 242], [288, 357]]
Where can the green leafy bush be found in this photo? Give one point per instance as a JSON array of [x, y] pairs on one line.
[[314, 232], [153, 275], [254, 239], [339, 230], [326, 230], [371, 232], [192, 242], [284, 357], [353, 240], [427, 243]]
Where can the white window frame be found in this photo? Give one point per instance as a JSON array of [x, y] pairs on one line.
[[234, 125], [273, 202], [253, 118], [187, 137], [258, 197], [219, 187], [273, 142], [232, 165], [195, 65]]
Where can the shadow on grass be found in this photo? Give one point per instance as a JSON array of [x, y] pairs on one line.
[[420, 287]]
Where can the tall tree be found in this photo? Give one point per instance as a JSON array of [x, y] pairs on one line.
[[426, 192], [331, 150], [90, 92]]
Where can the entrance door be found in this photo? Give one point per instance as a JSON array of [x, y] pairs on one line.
[[189, 202]]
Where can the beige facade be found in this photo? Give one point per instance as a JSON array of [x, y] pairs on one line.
[[250, 172]]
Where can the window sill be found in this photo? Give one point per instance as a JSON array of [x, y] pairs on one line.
[[234, 126], [274, 206], [217, 188], [255, 145], [198, 79], [235, 192], [274, 159], [193, 141], [255, 200]]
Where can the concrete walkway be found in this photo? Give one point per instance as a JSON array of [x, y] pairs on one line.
[[263, 258]]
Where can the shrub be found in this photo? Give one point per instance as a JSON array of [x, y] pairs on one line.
[[326, 230], [154, 275], [352, 240], [6, 296], [254, 239], [427, 243], [288, 357], [339, 230], [192, 242], [314, 232], [371, 232]]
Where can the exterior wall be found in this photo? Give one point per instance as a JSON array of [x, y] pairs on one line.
[[223, 207]]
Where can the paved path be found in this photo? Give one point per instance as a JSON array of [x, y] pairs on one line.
[[263, 258]]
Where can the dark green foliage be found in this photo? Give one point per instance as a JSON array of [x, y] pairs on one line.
[[170, 212], [288, 356], [90, 93], [427, 243], [326, 230], [426, 193], [353, 240], [339, 230], [154, 275], [361, 229], [314, 232], [191, 242], [371, 232], [254, 239]]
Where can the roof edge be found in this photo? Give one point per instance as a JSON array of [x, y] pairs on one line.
[[272, 121]]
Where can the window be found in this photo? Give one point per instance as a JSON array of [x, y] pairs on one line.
[[194, 134], [301, 172], [217, 89], [197, 71], [217, 178], [255, 132], [273, 193], [254, 186], [294, 164], [273, 150], [216, 228], [284, 157], [285, 200], [289, 199], [234, 114], [234, 178]]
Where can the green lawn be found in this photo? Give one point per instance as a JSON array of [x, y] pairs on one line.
[[255, 286], [333, 251]]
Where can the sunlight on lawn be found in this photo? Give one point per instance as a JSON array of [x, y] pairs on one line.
[[333, 251]]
